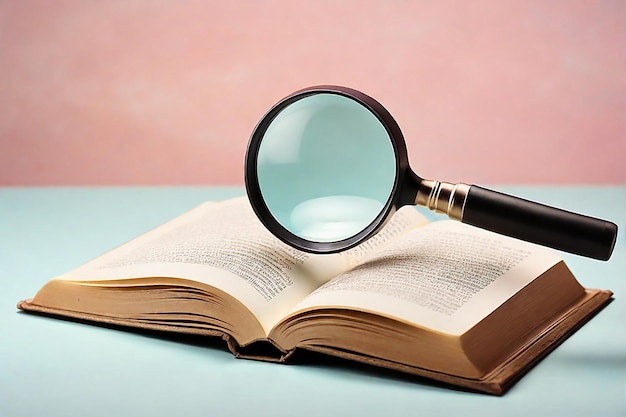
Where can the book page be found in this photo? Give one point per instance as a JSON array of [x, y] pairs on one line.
[[446, 276], [225, 246], [219, 244], [402, 221]]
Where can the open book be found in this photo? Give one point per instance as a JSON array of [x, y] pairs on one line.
[[442, 300]]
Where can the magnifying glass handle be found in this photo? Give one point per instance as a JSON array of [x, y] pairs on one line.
[[520, 218]]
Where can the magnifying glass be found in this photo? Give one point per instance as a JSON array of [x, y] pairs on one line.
[[327, 166]]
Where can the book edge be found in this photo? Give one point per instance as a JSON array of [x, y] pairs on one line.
[[92, 319], [503, 377], [496, 382], [531, 354]]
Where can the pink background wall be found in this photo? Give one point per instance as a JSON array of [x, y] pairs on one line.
[[167, 92]]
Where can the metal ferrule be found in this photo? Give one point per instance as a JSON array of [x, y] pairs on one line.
[[443, 197]]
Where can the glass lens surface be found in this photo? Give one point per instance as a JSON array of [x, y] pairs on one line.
[[326, 167]]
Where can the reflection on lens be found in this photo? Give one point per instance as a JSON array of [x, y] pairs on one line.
[[332, 218], [326, 167]]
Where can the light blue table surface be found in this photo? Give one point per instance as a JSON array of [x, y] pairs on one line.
[[58, 368]]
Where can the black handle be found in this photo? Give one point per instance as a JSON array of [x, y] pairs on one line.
[[538, 223]]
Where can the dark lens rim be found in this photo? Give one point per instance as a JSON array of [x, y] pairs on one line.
[[253, 188]]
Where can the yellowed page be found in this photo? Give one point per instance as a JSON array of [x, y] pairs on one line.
[[225, 246], [445, 276]]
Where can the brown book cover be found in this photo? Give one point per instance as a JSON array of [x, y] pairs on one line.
[[497, 382]]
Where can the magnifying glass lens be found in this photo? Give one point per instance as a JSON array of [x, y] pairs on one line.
[[326, 167]]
